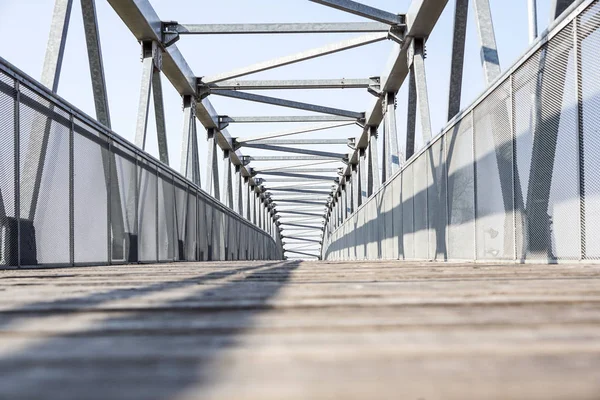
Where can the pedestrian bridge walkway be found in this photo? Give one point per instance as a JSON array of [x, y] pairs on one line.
[[301, 330], [190, 289]]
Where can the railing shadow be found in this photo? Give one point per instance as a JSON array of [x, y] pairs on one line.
[[154, 353]]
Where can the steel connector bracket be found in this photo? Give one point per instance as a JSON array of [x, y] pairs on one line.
[[170, 35]]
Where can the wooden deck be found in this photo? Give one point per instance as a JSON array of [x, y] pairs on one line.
[[243, 330]]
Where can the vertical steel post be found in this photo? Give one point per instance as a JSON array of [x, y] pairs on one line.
[[227, 181], [17, 166], [532, 19], [411, 117], [144, 100], [487, 40], [38, 143], [421, 87], [373, 181], [392, 161], [355, 188], [212, 170], [580, 136], [461, 12], [362, 171], [72, 191]]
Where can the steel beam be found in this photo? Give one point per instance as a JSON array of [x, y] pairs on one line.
[[289, 158], [303, 141], [363, 10], [295, 58], [98, 79], [461, 12], [277, 28], [189, 149], [296, 84], [373, 181], [421, 87], [212, 170], [94, 50], [287, 103], [301, 213], [532, 19], [151, 66], [295, 175], [411, 117], [363, 173], [295, 150], [294, 170], [297, 131], [487, 40], [392, 155], [142, 20], [421, 18], [285, 119], [33, 166]]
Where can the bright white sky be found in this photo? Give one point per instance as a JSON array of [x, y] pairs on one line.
[[24, 45]]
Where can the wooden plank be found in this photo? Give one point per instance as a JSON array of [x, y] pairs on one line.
[[298, 330]]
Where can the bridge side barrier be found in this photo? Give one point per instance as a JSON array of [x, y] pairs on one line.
[[165, 217], [515, 177]]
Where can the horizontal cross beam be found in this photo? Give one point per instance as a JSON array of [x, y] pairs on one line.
[[287, 103], [288, 158], [311, 128], [301, 141], [296, 84], [274, 28], [294, 175], [294, 170], [299, 191], [295, 150], [363, 10], [285, 119], [295, 58]]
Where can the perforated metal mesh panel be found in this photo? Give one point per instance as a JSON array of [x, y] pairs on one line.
[[522, 183], [123, 205], [408, 226], [82, 195], [8, 221], [421, 230], [44, 156], [461, 196], [588, 39], [202, 229], [436, 200], [494, 169], [191, 229], [167, 227], [546, 153], [91, 180], [148, 212]]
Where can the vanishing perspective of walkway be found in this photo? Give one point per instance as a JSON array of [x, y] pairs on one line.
[[459, 264]]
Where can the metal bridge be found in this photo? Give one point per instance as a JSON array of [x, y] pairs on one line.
[[460, 263]]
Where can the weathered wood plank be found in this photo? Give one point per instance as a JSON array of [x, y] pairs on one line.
[[319, 330]]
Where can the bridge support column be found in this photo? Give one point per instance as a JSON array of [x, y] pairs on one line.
[[227, 180], [373, 181], [391, 154], [190, 163], [212, 170], [461, 12], [363, 172], [238, 200], [355, 188], [151, 67]]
